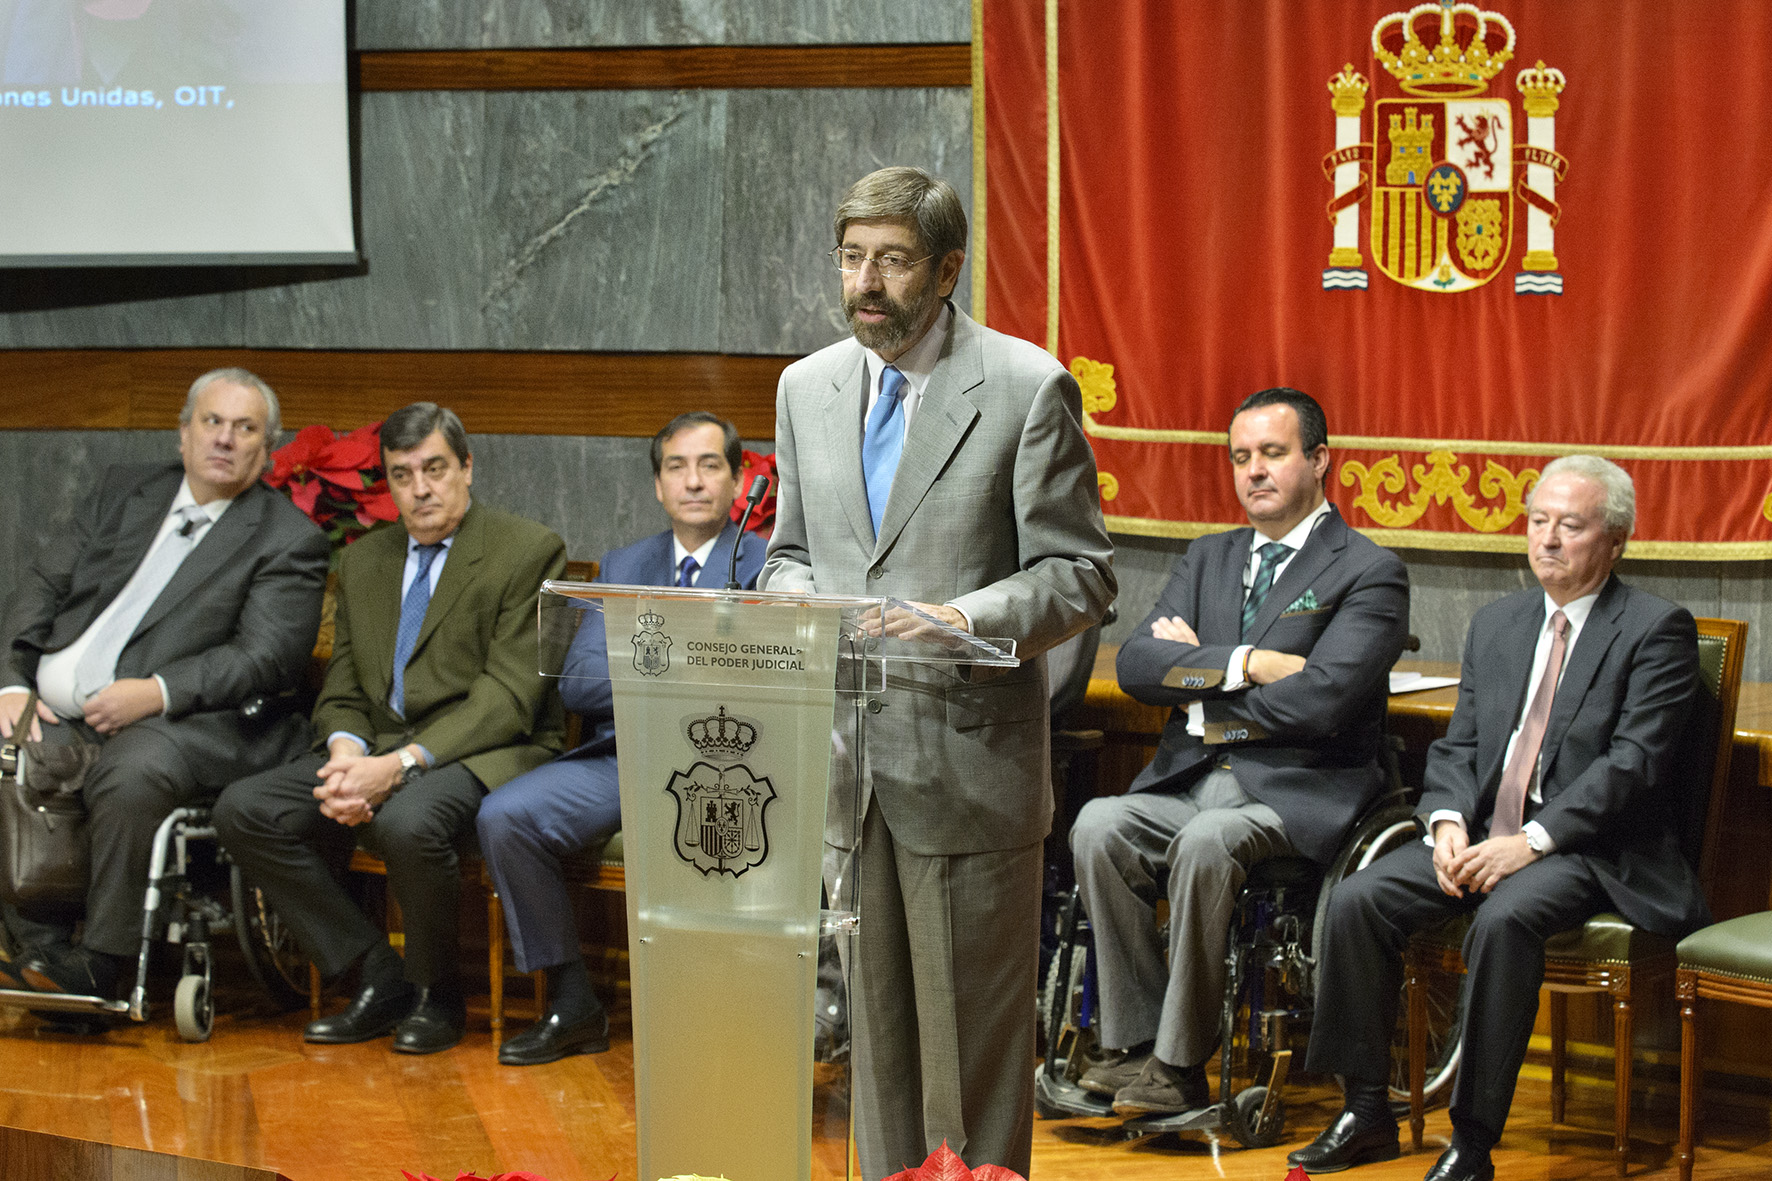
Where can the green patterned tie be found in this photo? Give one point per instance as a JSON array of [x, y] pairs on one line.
[[1272, 554]]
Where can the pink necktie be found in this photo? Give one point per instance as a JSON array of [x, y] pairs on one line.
[[1510, 800]]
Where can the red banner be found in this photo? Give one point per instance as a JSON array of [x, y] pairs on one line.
[[1482, 235]]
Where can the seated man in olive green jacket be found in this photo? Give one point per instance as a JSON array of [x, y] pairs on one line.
[[432, 699]]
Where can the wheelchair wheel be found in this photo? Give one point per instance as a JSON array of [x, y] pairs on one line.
[[1246, 1123], [193, 1006], [278, 965]]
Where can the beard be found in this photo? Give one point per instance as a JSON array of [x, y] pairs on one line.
[[901, 322]]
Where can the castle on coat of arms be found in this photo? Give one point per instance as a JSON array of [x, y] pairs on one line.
[[1438, 191]]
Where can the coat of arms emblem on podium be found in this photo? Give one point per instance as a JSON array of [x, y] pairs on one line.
[[720, 802], [652, 648]]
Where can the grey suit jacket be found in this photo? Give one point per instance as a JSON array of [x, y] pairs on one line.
[[1306, 746], [1608, 765], [237, 619], [994, 509]]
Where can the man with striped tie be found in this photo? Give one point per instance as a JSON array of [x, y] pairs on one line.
[[574, 802], [1273, 645], [432, 699]]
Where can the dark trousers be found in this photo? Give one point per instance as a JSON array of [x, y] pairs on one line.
[[1371, 917], [271, 824], [526, 827]]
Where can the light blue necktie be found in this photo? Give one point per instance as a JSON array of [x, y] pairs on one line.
[[1271, 555], [412, 621], [98, 664], [883, 443], [686, 571]]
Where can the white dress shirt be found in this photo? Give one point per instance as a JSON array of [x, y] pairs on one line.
[[701, 554], [55, 672]]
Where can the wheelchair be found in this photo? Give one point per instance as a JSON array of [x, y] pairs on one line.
[[181, 907], [1270, 989]]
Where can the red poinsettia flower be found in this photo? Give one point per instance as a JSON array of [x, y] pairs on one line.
[[337, 480], [763, 520], [945, 1165], [477, 1177], [358, 451]]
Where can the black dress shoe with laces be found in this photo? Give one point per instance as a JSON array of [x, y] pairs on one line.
[[1347, 1142], [555, 1036], [373, 1012], [1457, 1165], [436, 1023], [71, 970]]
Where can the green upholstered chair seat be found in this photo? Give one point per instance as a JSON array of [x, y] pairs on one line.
[[1740, 947], [1607, 938], [587, 862]]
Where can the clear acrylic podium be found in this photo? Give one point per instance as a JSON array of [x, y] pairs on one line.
[[738, 714]]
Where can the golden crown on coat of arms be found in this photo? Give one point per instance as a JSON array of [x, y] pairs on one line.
[[721, 736], [1446, 69]]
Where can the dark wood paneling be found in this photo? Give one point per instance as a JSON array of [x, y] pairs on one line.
[[720, 67], [621, 394]]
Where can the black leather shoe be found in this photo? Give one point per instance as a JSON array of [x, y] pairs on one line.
[[436, 1023], [1454, 1165], [71, 970], [554, 1037], [375, 1010], [1348, 1142]]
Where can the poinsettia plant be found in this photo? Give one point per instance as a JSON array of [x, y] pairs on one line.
[[477, 1177], [763, 520], [944, 1164], [337, 480]]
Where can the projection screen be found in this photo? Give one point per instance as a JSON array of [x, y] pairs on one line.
[[174, 132]]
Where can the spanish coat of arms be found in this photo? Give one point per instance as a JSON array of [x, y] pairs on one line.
[[721, 804]]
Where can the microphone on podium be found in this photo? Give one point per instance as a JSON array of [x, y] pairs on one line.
[[753, 498]]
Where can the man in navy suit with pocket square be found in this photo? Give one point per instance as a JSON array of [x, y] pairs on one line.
[[573, 803], [1273, 644]]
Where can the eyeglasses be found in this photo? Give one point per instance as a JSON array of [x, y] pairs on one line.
[[850, 259]]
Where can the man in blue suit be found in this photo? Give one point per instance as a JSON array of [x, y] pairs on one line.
[[573, 803]]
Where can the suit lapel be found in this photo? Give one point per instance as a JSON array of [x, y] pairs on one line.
[[375, 610], [143, 513], [1221, 608], [465, 553], [944, 415], [841, 414], [221, 541], [660, 565], [1515, 651], [719, 559], [1323, 546]]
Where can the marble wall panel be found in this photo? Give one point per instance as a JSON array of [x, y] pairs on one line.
[[601, 220], [423, 237], [471, 24], [790, 156], [133, 308]]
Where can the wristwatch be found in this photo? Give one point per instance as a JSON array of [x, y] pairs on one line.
[[410, 768]]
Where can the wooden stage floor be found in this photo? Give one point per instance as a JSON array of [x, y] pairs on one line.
[[255, 1094]]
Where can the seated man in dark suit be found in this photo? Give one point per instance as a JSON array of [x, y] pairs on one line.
[[432, 699], [179, 592], [573, 803], [1274, 645], [1550, 799]]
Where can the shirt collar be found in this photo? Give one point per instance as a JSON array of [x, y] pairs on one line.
[[917, 363], [1299, 533], [700, 554], [1575, 611], [186, 499]]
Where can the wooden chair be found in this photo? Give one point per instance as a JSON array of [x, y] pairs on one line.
[[1607, 954]]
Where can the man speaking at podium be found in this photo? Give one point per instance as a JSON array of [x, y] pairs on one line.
[[574, 802], [933, 460]]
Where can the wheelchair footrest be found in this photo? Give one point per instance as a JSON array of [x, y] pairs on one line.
[[61, 1002], [1199, 1120], [1054, 1097]]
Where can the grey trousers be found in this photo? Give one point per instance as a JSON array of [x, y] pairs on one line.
[[1202, 841], [943, 1009]]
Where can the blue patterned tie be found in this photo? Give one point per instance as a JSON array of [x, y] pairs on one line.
[[883, 443], [412, 621], [686, 571], [1272, 554]]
